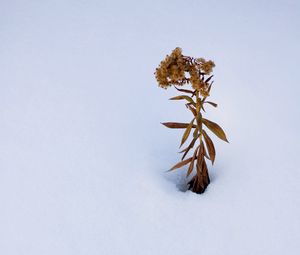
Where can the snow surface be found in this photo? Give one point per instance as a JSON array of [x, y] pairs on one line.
[[83, 156]]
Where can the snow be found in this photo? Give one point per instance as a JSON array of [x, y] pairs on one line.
[[82, 152]]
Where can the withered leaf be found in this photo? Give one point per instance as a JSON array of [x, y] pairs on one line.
[[209, 88], [210, 147], [187, 132], [184, 90], [191, 166], [189, 99], [176, 125], [205, 153], [209, 78], [181, 163], [212, 103], [215, 128], [187, 149]]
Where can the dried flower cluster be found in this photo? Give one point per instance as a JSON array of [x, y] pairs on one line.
[[177, 69]]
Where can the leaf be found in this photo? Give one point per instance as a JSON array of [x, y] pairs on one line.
[[205, 154], [215, 128], [189, 99], [176, 125], [210, 147], [209, 78], [181, 163], [209, 88], [187, 132], [212, 103], [191, 166], [187, 149], [184, 90]]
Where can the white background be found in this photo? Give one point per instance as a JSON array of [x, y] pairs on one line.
[[82, 152]]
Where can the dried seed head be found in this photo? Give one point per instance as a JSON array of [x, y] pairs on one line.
[[173, 69]]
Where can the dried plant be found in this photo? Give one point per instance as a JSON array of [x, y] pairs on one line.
[[178, 70]]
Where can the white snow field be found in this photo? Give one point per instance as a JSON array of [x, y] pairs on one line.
[[83, 156]]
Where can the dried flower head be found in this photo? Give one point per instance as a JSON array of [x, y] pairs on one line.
[[177, 69], [171, 70], [205, 66]]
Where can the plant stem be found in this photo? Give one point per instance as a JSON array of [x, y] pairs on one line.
[[199, 115]]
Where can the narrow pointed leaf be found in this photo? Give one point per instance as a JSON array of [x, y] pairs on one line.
[[206, 155], [181, 163], [191, 166], [187, 132], [210, 147], [189, 99], [184, 90], [209, 88], [191, 145], [177, 125], [215, 128], [212, 103], [209, 78]]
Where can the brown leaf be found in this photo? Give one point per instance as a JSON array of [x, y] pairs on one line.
[[191, 145], [215, 128], [184, 90], [189, 99], [187, 132], [176, 125], [210, 146], [181, 163], [209, 88], [191, 166], [212, 103], [205, 153], [209, 78]]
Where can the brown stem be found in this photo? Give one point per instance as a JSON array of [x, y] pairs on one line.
[[201, 180]]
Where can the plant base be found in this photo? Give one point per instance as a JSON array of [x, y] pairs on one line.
[[199, 183]]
